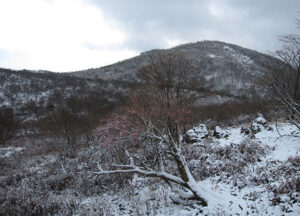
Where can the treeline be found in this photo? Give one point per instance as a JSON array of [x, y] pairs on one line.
[[56, 104]]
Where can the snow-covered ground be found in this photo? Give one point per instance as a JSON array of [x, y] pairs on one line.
[[285, 139], [268, 184], [225, 196], [284, 142]]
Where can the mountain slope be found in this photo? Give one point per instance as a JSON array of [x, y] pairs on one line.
[[229, 71], [24, 89], [226, 67]]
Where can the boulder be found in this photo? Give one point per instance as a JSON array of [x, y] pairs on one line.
[[196, 134], [220, 133], [245, 130], [260, 120], [257, 125]]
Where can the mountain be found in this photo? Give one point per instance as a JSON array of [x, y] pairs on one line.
[[230, 72], [226, 67], [27, 90]]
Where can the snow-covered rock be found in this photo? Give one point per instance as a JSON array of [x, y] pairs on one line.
[[245, 130], [260, 120], [220, 133], [196, 134], [259, 124], [255, 127]]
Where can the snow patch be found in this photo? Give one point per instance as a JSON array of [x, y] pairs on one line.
[[220, 133], [8, 151], [238, 56], [211, 55], [283, 138]]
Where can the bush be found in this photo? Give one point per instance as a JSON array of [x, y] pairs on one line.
[[212, 160]]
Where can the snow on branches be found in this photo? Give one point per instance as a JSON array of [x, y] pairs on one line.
[[154, 119]]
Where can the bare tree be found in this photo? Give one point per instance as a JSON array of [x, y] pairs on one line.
[[62, 123], [155, 119], [289, 54], [286, 76], [8, 124]]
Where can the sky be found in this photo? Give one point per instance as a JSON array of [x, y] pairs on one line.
[[71, 35]]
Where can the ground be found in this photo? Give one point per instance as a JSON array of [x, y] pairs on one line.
[[228, 197], [242, 175]]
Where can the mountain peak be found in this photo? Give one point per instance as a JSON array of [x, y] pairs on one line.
[[225, 67]]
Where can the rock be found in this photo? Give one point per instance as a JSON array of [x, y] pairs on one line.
[[220, 133], [269, 128], [260, 120], [246, 131], [196, 134], [255, 127], [258, 125]]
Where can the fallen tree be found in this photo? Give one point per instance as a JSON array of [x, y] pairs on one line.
[[150, 132]]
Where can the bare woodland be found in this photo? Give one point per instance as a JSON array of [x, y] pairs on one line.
[[85, 142], [160, 108], [285, 76]]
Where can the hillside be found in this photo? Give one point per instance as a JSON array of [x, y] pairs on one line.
[[226, 67], [48, 89], [243, 175], [229, 71], [74, 144]]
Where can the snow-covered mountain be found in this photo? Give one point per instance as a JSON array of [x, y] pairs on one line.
[[229, 71], [24, 90], [226, 67], [56, 162]]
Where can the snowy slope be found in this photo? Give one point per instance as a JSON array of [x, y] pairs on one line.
[[243, 193], [231, 201], [241, 174]]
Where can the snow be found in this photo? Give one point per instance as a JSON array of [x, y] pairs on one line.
[[151, 197], [211, 55], [284, 143], [197, 133], [8, 151], [218, 129], [224, 198], [238, 56], [230, 203], [260, 120], [235, 136], [220, 133], [233, 201]]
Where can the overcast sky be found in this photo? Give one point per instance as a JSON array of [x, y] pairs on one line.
[[68, 35]]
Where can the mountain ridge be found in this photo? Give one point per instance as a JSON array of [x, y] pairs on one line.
[[229, 70], [225, 67]]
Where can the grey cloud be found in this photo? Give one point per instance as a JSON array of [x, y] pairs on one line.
[[254, 24]]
